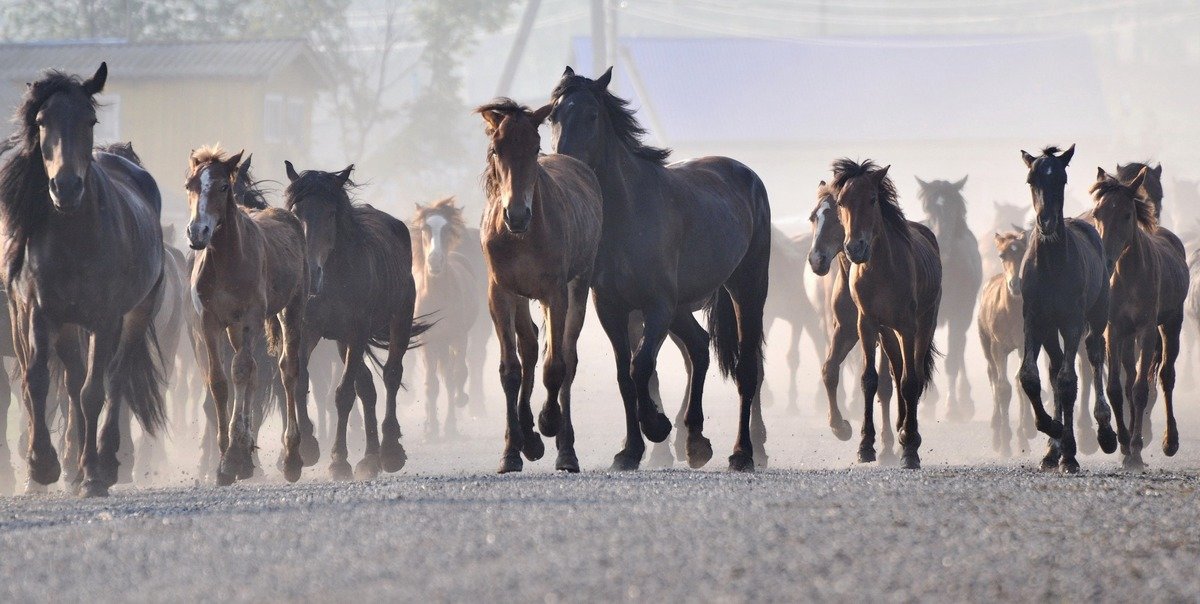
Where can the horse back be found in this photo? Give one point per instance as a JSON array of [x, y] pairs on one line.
[[1174, 277], [574, 209], [131, 176]]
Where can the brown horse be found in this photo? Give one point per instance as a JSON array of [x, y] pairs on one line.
[[1145, 315], [896, 283], [249, 280], [82, 255], [827, 246], [1001, 332], [540, 233], [446, 289], [360, 262]]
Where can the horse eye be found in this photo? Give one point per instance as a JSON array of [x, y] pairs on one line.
[[224, 187]]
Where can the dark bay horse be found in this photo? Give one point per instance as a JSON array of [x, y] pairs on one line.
[[896, 283], [1145, 315], [250, 283], [826, 248], [961, 265], [540, 233], [83, 248], [1065, 294], [360, 263], [1000, 334], [448, 290]]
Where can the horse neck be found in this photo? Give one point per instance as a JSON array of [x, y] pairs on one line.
[[949, 226], [1136, 252], [617, 169], [227, 240]]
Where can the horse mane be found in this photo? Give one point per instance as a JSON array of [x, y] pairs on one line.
[[252, 197], [845, 169], [1145, 207], [629, 132], [446, 208], [1127, 172], [24, 187]]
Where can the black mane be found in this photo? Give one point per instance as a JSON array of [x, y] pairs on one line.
[[624, 124], [1146, 215], [845, 169], [324, 186]]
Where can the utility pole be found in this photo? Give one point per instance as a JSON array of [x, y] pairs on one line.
[[614, 53], [599, 46], [518, 48]]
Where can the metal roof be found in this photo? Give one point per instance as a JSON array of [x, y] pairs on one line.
[[159, 60]]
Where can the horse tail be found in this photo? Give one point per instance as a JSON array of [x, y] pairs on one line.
[[274, 333], [931, 357], [137, 376], [723, 328], [420, 325]]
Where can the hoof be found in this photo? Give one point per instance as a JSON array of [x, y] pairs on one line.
[[1068, 466], [1107, 439], [660, 456], [699, 451], [1170, 442], [888, 457], [310, 450], [741, 462], [36, 488], [841, 430], [94, 488], [1133, 463], [681, 437], [223, 479], [761, 459], [567, 462], [1050, 462], [866, 454], [339, 469], [656, 427], [44, 467], [549, 420], [7, 479], [626, 461], [1005, 450], [1050, 427], [1087, 445], [911, 461], [125, 472], [511, 462], [391, 454], [292, 467], [533, 448], [245, 469], [368, 468]]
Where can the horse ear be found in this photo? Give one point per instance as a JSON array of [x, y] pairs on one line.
[[999, 237], [568, 72], [344, 176], [604, 80], [493, 119], [1158, 170], [232, 163], [962, 183], [192, 160], [541, 114], [96, 83], [1066, 156], [1029, 159], [291, 171], [880, 174], [1100, 173], [920, 182], [1137, 181]]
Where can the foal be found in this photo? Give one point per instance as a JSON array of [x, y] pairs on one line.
[[1000, 333], [1145, 315], [249, 280], [540, 232]]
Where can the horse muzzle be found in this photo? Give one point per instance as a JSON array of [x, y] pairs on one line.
[[859, 251], [66, 192], [517, 219], [199, 236], [819, 263], [1014, 286]]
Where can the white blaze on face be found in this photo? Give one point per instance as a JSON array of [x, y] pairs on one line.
[[436, 225], [822, 211], [205, 188]]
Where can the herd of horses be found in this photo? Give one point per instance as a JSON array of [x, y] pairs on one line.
[[98, 298]]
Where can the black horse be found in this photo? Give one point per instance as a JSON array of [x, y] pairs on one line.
[[1064, 286], [676, 238], [84, 248]]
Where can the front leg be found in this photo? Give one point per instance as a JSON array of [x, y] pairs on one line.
[[44, 467], [502, 304], [654, 423], [615, 321], [554, 368], [868, 337], [1031, 382], [96, 480], [236, 460]]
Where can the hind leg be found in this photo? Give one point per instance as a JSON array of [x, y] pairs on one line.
[[352, 355], [364, 386], [67, 345], [748, 291], [845, 336], [391, 453], [1169, 333], [1106, 439]]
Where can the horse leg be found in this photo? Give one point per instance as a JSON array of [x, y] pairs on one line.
[[554, 367], [793, 364], [1085, 438], [7, 475], [577, 293], [527, 347], [236, 459], [914, 351], [1169, 332], [695, 340], [292, 359], [391, 453], [747, 290], [1094, 345], [655, 426], [67, 346], [845, 336], [502, 306], [44, 467], [368, 468], [868, 337], [431, 355], [615, 322], [343, 397], [1146, 351], [476, 359], [455, 396], [96, 480], [1031, 383], [891, 367], [959, 408], [1066, 390], [758, 428], [1003, 392]]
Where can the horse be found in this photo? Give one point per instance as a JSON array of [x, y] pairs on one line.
[[677, 238], [961, 265], [1065, 294], [249, 282], [363, 297], [1000, 324], [540, 233], [447, 289], [1145, 315], [828, 245], [83, 250], [1006, 217], [1149, 180], [896, 283], [789, 303]]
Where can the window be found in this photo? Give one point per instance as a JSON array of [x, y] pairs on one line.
[[296, 122], [108, 119], [273, 118]]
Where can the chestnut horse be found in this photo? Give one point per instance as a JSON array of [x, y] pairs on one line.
[[896, 283], [1065, 294], [83, 249], [250, 282], [1145, 315], [677, 238], [828, 244], [540, 233], [360, 263], [448, 290], [1000, 334]]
